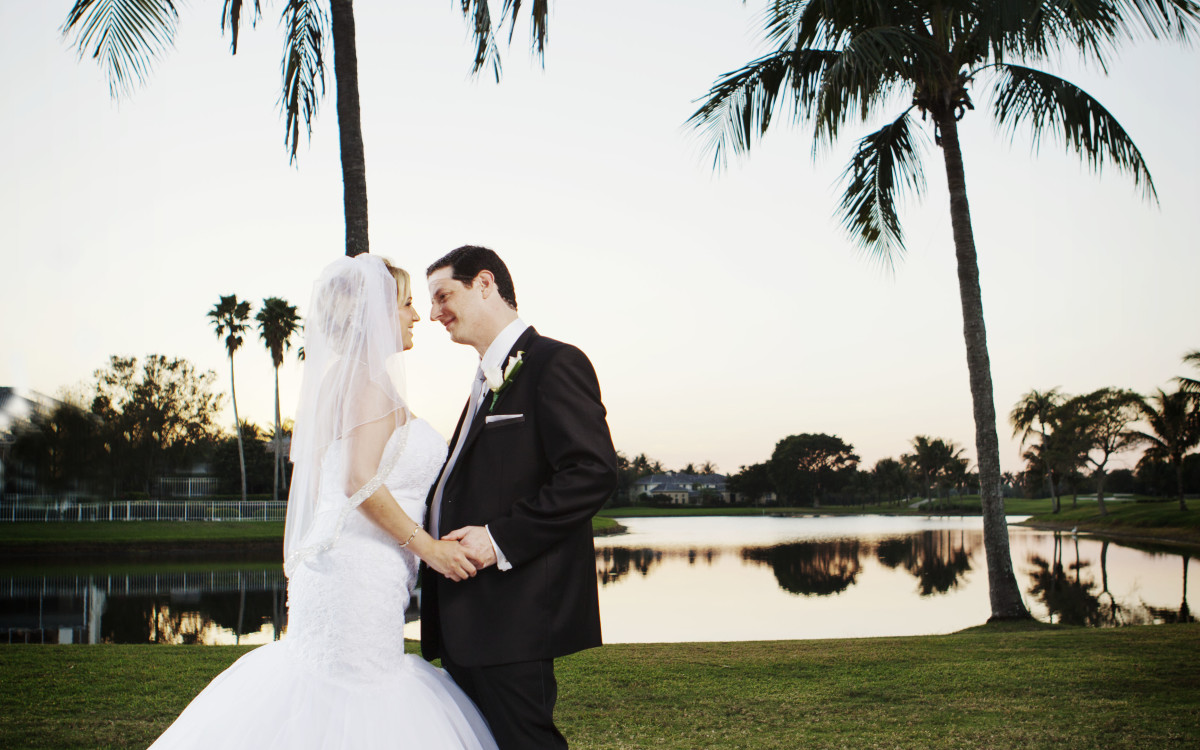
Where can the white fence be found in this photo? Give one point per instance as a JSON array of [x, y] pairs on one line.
[[39, 509]]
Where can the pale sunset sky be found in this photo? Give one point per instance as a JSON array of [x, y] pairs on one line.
[[723, 312]]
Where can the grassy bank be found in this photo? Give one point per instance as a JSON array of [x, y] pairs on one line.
[[69, 537], [1149, 521], [992, 687]]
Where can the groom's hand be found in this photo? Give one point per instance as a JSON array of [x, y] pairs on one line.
[[477, 543]]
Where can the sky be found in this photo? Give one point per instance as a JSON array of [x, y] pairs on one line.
[[723, 310]]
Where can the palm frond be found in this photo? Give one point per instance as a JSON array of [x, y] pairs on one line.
[[865, 72], [486, 50], [231, 16], [1172, 19], [125, 37], [886, 162], [740, 104], [1049, 104], [304, 24], [537, 19]]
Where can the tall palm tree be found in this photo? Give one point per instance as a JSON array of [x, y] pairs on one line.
[[834, 62], [230, 320], [126, 37], [1035, 413], [277, 323], [1174, 422]]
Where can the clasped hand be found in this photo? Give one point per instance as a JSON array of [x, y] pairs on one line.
[[461, 553]]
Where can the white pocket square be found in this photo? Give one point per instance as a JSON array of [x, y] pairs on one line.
[[502, 418]]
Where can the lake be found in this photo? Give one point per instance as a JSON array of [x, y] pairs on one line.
[[670, 579]]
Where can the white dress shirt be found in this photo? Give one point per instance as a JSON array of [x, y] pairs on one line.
[[496, 357]]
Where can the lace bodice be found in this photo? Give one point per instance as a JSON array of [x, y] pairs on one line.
[[346, 603]]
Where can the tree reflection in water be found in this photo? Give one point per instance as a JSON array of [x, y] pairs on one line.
[[192, 617], [1070, 599], [935, 558], [614, 563], [812, 568]]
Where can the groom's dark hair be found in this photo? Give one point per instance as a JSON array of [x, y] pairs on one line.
[[467, 261]]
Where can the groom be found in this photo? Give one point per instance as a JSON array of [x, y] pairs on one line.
[[531, 462]]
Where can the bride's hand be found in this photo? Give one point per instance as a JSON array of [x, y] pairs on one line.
[[448, 558]]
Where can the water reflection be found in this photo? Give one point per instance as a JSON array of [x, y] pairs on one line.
[[938, 559], [195, 606], [1071, 596], [812, 568], [700, 579], [684, 579]]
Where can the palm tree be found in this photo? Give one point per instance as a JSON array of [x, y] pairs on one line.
[[1174, 424], [229, 319], [834, 62], [277, 323], [1035, 413], [1191, 385], [127, 36]]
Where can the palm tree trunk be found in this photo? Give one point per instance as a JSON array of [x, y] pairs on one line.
[[1178, 461], [354, 163], [278, 440], [237, 423], [1002, 582]]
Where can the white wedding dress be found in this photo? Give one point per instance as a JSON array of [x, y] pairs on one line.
[[340, 678]]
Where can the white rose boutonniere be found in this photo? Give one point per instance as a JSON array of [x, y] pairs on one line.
[[498, 381]]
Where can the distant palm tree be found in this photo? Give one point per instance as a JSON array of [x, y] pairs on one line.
[[1174, 422], [127, 36], [1191, 385], [1035, 413], [277, 323], [230, 320], [834, 62]]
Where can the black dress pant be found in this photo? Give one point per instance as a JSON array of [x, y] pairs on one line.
[[516, 699]]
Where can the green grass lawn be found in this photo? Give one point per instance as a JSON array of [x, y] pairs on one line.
[[1000, 686], [1151, 520]]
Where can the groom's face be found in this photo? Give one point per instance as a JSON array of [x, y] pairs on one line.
[[456, 306]]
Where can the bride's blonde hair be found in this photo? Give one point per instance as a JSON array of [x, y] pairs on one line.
[[403, 281]]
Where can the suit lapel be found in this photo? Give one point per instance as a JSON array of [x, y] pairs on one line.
[[523, 343]]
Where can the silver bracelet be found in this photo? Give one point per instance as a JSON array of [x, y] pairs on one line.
[[411, 537]]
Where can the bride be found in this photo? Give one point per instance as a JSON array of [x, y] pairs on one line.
[[363, 466]]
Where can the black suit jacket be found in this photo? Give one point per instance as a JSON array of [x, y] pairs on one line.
[[535, 481]]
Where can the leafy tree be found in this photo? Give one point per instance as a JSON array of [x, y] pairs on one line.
[[277, 324], [63, 449], [753, 482], [1174, 423], [1035, 413], [892, 480], [258, 456], [154, 419], [807, 465], [834, 62], [1100, 421], [126, 36], [229, 319]]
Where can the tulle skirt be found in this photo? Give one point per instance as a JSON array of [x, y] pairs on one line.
[[269, 698]]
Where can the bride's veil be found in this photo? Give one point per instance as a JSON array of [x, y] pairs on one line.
[[352, 401]]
